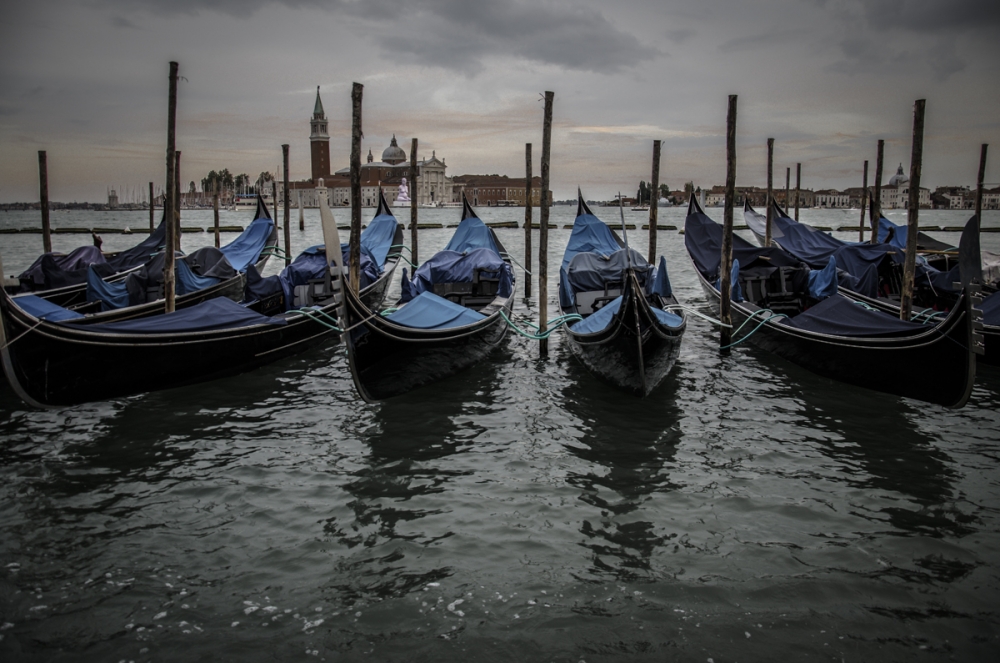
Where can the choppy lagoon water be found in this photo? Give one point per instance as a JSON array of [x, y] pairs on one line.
[[520, 510]]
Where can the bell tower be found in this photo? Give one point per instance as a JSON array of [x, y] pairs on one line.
[[319, 141]]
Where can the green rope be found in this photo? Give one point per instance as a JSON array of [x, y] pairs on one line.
[[316, 316], [274, 251], [680, 307], [556, 322], [755, 329]]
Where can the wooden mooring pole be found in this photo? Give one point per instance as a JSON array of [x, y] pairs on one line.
[[413, 201], [43, 195], [653, 199], [876, 210], [979, 185], [527, 219], [726, 265], [355, 241], [152, 218], [770, 190], [215, 213], [864, 202], [913, 210], [168, 195], [543, 228], [302, 212], [788, 189], [798, 188], [286, 218], [177, 200]]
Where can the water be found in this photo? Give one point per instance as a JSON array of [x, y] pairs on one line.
[[519, 511]]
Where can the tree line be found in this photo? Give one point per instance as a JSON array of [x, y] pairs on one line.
[[223, 180]]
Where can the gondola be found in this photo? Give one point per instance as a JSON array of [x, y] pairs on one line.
[[798, 314], [55, 357], [872, 273], [450, 316], [627, 337]]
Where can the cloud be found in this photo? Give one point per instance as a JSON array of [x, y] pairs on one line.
[[679, 36], [121, 22], [932, 15], [754, 42]]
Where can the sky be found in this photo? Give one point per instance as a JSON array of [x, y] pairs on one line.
[[87, 82]]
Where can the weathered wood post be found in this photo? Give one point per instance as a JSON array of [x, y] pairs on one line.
[[726, 265], [913, 210], [527, 219], [788, 188], [798, 188], [864, 202], [287, 216], [177, 200], [876, 210], [152, 212], [355, 241], [43, 195], [215, 213], [653, 199], [302, 212], [168, 195], [770, 190], [413, 201], [543, 229], [979, 185], [274, 202]]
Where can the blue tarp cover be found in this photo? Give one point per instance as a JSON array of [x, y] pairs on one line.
[[589, 235], [247, 248], [187, 281], [590, 271], [823, 282], [991, 309], [77, 259], [141, 252], [736, 291], [470, 235], [840, 316], [377, 237], [924, 241], [703, 239], [218, 313], [44, 309], [428, 311], [452, 267], [111, 295], [661, 282], [600, 319]]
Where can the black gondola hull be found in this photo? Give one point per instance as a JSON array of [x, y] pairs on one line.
[[50, 364], [936, 367]]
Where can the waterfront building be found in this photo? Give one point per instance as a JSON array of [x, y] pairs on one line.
[[896, 194], [498, 190]]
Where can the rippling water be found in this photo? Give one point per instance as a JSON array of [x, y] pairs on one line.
[[520, 510]]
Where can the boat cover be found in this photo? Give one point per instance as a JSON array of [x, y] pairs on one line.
[[991, 309], [377, 238], [823, 282], [111, 295], [247, 248], [840, 316], [735, 291], [211, 315], [589, 235], [140, 253], [453, 267], [591, 271], [470, 235], [924, 241], [49, 265], [428, 311], [43, 309], [703, 239], [258, 288], [600, 319], [661, 281]]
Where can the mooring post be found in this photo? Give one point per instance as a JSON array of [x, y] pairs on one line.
[[152, 219], [864, 202], [355, 241], [527, 219], [653, 199], [788, 188], [302, 212], [798, 188], [543, 229], [177, 200], [274, 204], [913, 210], [215, 213], [770, 190], [726, 265], [876, 210], [287, 215], [168, 195], [979, 185], [43, 194], [413, 201]]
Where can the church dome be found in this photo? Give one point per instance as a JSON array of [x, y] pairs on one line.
[[394, 153], [899, 178]]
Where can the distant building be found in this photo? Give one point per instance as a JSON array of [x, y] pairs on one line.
[[112, 199], [831, 198], [896, 194], [498, 190]]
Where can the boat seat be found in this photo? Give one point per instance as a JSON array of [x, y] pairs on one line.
[[481, 291], [590, 301], [154, 292], [781, 295], [312, 292]]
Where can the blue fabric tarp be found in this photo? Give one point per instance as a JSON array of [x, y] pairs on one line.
[[991, 309], [703, 239], [377, 237], [187, 281], [247, 248], [428, 311], [591, 271], [111, 295], [214, 314], [900, 232], [735, 291], [840, 316], [44, 309], [589, 235], [600, 319], [661, 282], [823, 282], [453, 267], [140, 253], [77, 259], [470, 235]]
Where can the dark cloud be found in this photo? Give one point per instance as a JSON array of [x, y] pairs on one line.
[[679, 36], [456, 34], [755, 41], [121, 22], [932, 15]]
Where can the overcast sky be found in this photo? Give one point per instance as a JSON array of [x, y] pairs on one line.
[[87, 81]]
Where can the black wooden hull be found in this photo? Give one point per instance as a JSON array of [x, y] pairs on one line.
[[937, 366], [635, 352], [389, 360], [50, 364]]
